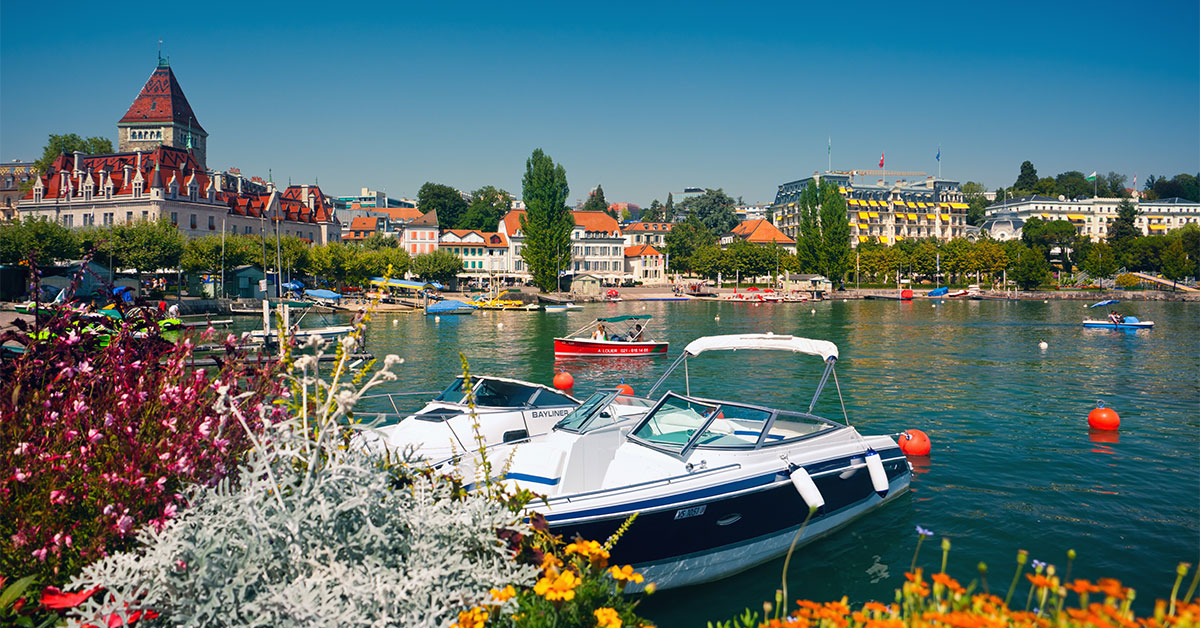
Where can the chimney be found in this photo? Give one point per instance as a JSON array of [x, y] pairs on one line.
[[139, 161], [239, 182], [78, 159], [125, 178], [304, 196]]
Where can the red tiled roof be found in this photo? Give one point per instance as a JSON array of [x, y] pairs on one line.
[[760, 232], [404, 214], [491, 239], [590, 221], [364, 223], [649, 226], [641, 250], [162, 100]]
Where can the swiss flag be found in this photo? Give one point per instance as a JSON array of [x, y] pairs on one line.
[[880, 160]]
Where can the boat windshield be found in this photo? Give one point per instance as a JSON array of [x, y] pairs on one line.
[[680, 422], [580, 418], [497, 393]]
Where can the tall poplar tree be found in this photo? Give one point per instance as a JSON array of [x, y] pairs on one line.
[[808, 237], [669, 208], [547, 221], [835, 234]]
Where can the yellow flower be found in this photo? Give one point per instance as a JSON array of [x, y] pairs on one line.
[[607, 618], [625, 574], [502, 595], [587, 548], [558, 588], [550, 563], [474, 618]]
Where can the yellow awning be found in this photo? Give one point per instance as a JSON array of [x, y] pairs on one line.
[[863, 215], [1078, 217], [912, 216], [1045, 216], [945, 217], [930, 217], [1158, 227], [791, 204], [888, 239], [841, 189], [863, 225], [899, 238], [863, 238], [874, 214], [960, 205]]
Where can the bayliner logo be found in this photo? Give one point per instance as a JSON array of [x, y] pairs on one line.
[[543, 414]]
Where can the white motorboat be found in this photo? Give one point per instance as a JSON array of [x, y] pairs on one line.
[[301, 335], [718, 486], [507, 410]]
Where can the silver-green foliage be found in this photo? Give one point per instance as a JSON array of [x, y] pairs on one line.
[[314, 533]]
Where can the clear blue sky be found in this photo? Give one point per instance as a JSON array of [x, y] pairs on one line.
[[642, 98]]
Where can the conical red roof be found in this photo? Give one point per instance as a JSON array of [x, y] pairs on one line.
[[162, 100]]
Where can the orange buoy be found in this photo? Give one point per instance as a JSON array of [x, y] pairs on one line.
[[564, 381], [906, 295], [915, 443], [625, 389], [1103, 418]]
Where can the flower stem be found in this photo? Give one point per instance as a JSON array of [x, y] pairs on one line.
[[1022, 556], [1180, 572], [787, 561], [920, 539]]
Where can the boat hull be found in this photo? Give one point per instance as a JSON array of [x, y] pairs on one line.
[[697, 536], [577, 347], [1108, 325]]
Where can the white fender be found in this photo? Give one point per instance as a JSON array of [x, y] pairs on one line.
[[807, 488], [878, 476]]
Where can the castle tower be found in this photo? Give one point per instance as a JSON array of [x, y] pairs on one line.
[[161, 115]]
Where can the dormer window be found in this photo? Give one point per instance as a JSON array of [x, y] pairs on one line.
[[137, 189]]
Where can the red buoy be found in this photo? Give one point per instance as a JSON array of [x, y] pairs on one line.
[[915, 443], [625, 389], [1103, 418], [906, 295], [564, 381]]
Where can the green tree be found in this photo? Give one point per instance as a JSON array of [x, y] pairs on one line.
[[1189, 235], [331, 262], [445, 200], [439, 265], [653, 213], [1046, 186], [547, 222], [750, 260], [69, 143], [1047, 236], [1115, 184], [808, 236], [488, 206], [923, 258], [990, 257], [835, 234], [597, 203], [684, 239], [147, 246], [669, 208], [1030, 270], [1145, 253], [1175, 262], [47, 240], [1074, 184], [973, 193], [713, 208], [1123, 229], [377, 241], [1101, 261], [1028, 177], [710, 261]]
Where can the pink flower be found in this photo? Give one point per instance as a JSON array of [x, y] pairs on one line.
[[21, 475], [40, 554], [124, 524], [21, 449], [58, 497], [169, 512], [94, 435]]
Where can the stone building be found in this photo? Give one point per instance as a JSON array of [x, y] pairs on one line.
[[160, 173], [12, 176]]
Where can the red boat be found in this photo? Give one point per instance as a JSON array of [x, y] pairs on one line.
[[611, 336]]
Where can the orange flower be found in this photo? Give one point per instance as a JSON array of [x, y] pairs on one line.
[[474, 618], [913, 576], [625, 574], [587, 549], [875, 607], [1082, 586], [558, 588], [607, 618], [948, 582], [1111, 588], [503, 595], [550, 563], [1039, 580]]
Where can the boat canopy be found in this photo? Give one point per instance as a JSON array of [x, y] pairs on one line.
[[404, 283], [939, 291], [629, 317], [733, 342], [1105, 302], [449, 305], [322, 294]]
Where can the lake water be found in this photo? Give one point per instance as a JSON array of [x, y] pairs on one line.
[[1013, 463]]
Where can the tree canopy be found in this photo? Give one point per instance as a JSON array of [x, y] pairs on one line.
[[69, 143], [487, 208], [47, 240], [684, 240], [547, 222], [448, 203], [597, 203], [714, 209]]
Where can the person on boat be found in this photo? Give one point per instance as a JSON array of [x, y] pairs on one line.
[[1115, 318], [173, 311], [599, 333], [636, 334]]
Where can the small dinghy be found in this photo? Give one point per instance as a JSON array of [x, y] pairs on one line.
[[1129, 322]]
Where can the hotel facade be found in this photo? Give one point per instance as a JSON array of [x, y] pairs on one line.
[[882, 212], [1092, 216]]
